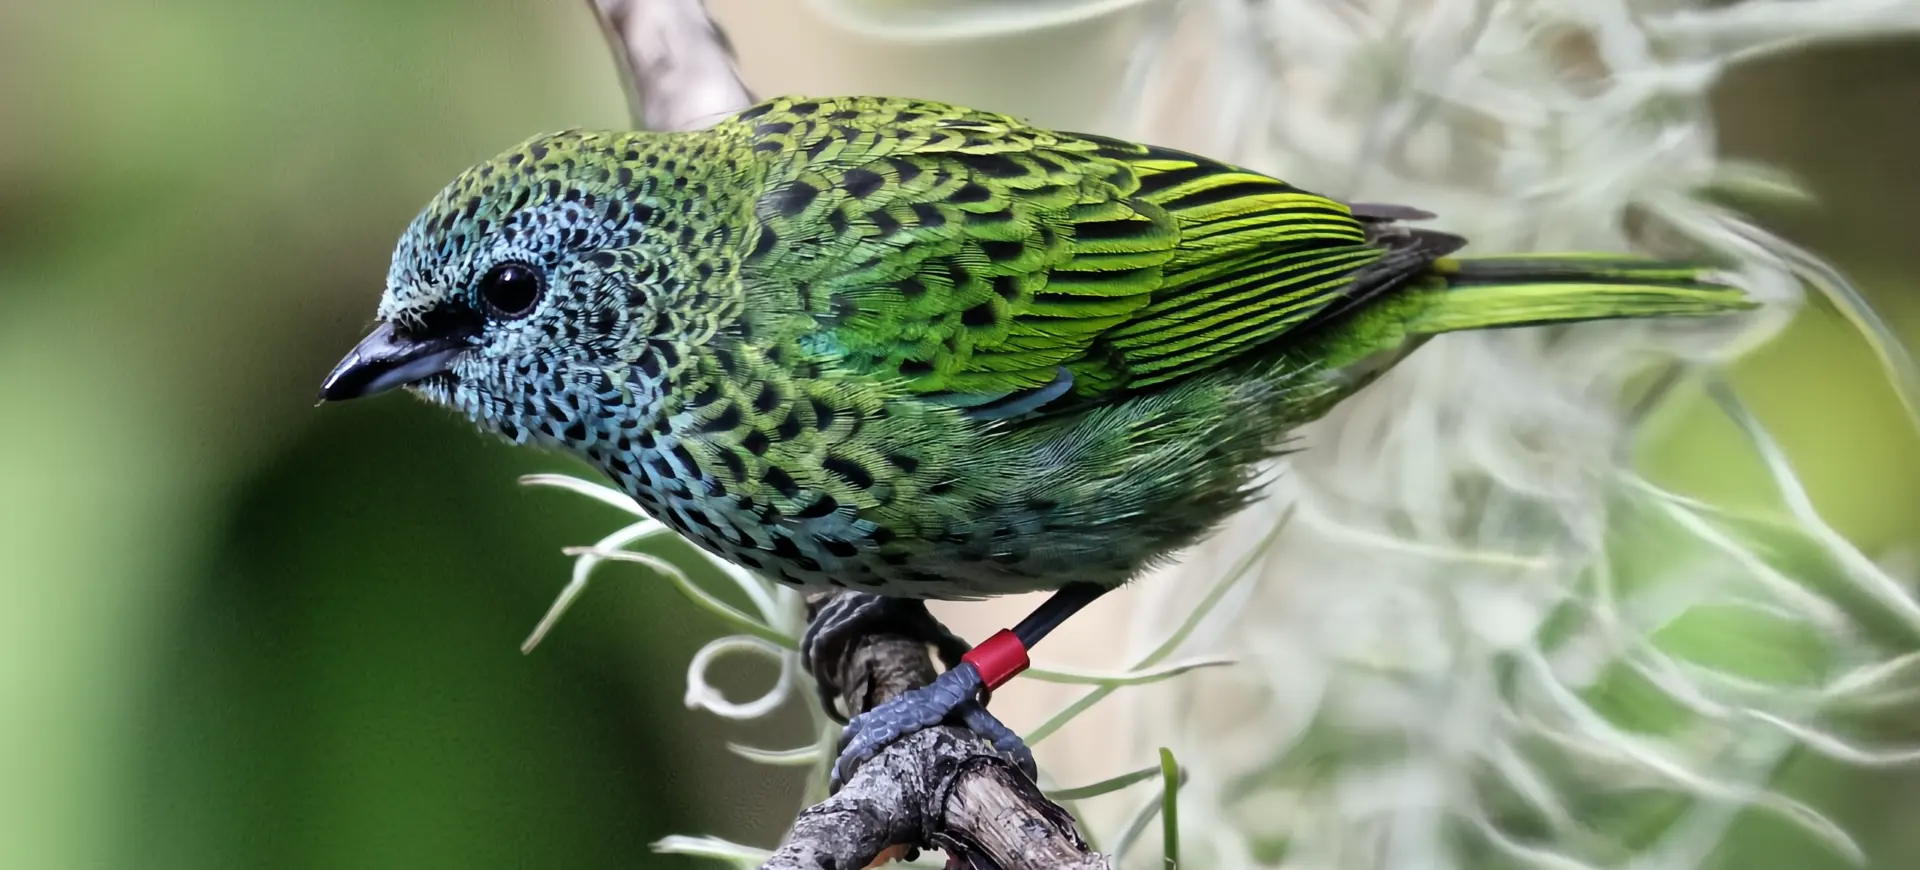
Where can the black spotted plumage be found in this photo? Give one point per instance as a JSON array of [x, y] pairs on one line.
[[936, 351]]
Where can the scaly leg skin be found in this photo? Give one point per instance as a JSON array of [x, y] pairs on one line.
[[974, 715], [957, 692], [843, 617], [952, 695]]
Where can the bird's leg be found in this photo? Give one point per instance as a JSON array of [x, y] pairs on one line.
[[957, 692], [843, 617]]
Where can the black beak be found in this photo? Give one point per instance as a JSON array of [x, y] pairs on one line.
[[386, 359]]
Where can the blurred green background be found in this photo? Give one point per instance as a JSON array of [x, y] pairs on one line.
[[239, 631]]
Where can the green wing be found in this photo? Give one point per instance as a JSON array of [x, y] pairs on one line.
[[988, 263]]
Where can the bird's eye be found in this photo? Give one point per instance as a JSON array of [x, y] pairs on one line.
[[511, 289]]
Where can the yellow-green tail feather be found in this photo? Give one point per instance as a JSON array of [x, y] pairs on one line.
[[1467, 293], [1496, 292]]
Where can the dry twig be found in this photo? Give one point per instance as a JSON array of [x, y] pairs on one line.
[[943, 788], [675, 62]]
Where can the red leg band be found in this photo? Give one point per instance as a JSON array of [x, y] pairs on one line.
[[998, 658]]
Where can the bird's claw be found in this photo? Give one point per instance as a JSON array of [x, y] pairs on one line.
[[974, 715], [953, 694], [846, 616]]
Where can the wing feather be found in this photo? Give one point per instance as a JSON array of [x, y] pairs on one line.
[[988, 263]]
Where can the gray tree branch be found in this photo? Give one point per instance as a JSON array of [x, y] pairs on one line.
[[675, 63], [943, 788]]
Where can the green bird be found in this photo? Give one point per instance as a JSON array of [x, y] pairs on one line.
[[920, 351]]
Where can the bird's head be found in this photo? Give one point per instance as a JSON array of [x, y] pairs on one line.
[[526, 291]]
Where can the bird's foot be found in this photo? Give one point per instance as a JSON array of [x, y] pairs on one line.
[[958, 696], [975, 716], [952, 696], [841, 618]]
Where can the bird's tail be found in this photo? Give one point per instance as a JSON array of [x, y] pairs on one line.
[[1531, 290], [1453, 294]]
